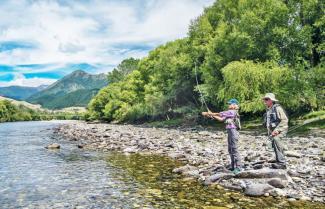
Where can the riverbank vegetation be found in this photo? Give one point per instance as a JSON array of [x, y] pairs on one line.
[[235, 49], [10, 112]]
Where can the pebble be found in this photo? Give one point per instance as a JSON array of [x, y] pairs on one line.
[[202, 150], [53, 146]]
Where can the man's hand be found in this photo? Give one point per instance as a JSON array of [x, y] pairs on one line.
[[275, 133]]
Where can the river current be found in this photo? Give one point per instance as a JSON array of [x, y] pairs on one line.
[[34, 177]]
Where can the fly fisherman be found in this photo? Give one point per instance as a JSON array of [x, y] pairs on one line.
[[231, 118], [276, 122]]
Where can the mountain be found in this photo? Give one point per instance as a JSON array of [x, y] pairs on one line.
[[20, 92], [75, 89]]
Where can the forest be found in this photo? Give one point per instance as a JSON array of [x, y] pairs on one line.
[[236, 49]]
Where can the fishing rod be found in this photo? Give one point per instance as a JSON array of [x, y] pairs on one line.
[[322, 117], [270, 137], [198, 87]]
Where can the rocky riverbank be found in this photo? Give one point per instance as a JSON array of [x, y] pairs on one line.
[[205, 156]]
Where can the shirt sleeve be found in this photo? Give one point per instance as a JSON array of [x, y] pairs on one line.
[[283, 125], [227, 114]]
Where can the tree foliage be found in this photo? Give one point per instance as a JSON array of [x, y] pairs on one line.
[[10, 112], [122, 70], [240, 49]]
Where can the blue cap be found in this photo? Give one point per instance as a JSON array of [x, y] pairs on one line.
[[233, 101]]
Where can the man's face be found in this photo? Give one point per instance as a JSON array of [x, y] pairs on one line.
[[268, 102]]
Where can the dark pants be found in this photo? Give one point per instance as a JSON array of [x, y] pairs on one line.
[[278, 149], [233, 136]]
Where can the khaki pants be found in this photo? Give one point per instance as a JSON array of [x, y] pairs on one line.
[[278, 149]]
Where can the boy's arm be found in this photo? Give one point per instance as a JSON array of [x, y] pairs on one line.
[[213, 115], [218, 117]]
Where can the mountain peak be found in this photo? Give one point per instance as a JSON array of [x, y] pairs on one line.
[[78, 73], [75, 89]]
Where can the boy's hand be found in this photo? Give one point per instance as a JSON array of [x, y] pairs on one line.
[[205, 113]]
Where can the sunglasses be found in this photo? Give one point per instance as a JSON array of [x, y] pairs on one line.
[[266, 99]]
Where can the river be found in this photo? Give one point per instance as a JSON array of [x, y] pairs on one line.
[[34, 177]]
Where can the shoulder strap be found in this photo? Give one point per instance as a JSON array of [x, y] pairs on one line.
[[275, 109]]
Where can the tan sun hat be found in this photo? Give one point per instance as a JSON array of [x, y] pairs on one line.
[[270, 96]]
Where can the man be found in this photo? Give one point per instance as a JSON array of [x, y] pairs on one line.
[[276, 122]]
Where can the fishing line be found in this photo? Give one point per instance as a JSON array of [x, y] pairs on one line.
[[306, 122], [269, 138], [200, 92]]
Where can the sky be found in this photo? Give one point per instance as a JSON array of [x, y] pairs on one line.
[[43, 40]]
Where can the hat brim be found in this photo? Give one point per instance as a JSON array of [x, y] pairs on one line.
[[273, 99]]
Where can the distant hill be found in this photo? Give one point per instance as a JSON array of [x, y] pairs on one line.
[[20, 92], [75, 89], [22, 103]]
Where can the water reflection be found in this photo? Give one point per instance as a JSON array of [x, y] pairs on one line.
[[163, 189], [34, 177]]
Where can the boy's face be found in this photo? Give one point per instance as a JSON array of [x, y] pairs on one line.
[[232, 106]]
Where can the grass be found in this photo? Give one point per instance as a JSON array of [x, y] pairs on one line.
[[166, 123]]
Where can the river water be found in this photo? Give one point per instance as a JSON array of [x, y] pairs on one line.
[[34, 177]]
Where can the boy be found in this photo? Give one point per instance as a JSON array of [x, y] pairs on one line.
[[231, 118]]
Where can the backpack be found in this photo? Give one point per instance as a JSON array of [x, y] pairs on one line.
[[274, 119], [237, 121]]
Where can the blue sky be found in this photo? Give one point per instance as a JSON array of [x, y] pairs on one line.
[[41, 41]]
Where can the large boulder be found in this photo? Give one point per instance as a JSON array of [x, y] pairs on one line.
[[263, 173], [184, 169], [277, 192], [278, 183], [218, 177]]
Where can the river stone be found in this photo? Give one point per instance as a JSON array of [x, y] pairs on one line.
[[257, 189], [323, 158], [305, 198], [192, 173], [218, 177], [278, 183], [130, 150], [184, 169], [292, 154], [263, 173], [53, 146], [80, 146], [258, 166], [277, 192], [293, 173], [235, 187], [176, 155]]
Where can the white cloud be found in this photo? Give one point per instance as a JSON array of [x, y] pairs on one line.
[[90, 31], [91, 27], [20, 80]]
